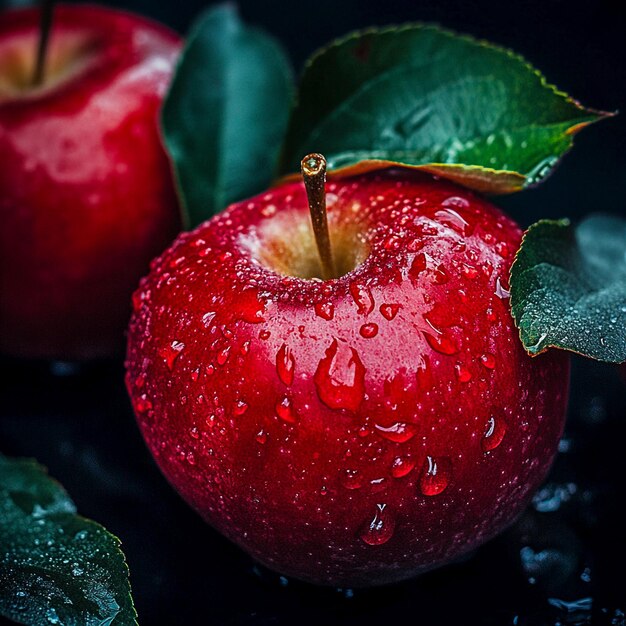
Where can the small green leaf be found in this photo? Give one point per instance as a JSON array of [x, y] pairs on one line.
[[568, 287], [426, 98], [55, 566], [225, 114]]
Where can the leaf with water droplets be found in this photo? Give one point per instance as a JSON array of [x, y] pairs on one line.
[[226, 112], [55, 566], [568, 287], [426, 98]]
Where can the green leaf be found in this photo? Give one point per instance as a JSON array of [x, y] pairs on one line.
[[427, 98], [568, 287], [225, 115], [55, 566]]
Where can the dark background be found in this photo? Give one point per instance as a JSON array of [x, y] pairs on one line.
[[564, 562]]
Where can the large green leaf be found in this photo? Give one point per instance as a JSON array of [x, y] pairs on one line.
[[424, 97], [225, 114], [568, 287], [56, 567]]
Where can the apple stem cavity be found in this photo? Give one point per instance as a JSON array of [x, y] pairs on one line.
[[45, 26], [314, 175]]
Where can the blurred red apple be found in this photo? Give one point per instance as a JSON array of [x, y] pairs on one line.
[[86, 193], [354, 430]]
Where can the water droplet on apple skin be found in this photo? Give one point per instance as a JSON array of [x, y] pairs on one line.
[[495, 430], [488, 360], [402, 466], [351, 479], [325, 310], [389, 311], [340, 377], [368, 331], [285, 365], [435, 475], [285, 410], [380, 528], [362, 297], [171, 352], [399, 432]]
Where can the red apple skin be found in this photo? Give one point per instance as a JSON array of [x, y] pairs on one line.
[[86, 193], [354, 431]]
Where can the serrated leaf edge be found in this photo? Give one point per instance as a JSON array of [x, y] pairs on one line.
[[594, 115]]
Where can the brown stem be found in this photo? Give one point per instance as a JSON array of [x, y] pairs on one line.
[[45, 25], [314, 174]]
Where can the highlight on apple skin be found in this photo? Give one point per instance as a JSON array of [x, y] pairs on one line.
[[86, 192], [360, 429]]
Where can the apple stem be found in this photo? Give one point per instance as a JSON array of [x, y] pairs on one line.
[[314, 176], [45, 25]]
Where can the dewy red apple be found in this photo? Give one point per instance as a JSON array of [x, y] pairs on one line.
[[356, 430], [86, 194]]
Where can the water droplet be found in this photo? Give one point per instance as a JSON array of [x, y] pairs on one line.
[[503, 249], [261, 436], [191, 458], [245, 348], [264, 334], [462, 373], [488, 360], [379, 529], [494, 434], [194, 433], [389, 311], [469, 271], [351, 479], [195, 374], [325, 310], [137, 300], [210, 370], [222, 355], [207, 318], [240, 407], [435, 475], [441, 343], [369, 330], [456, 202], [171, 352], [142, 404], [249, 307], [398, 432], [417, 266], [451, 218], [502, 292], [401, 466], [392, 242], [362, 297], [285, 410], [426, 227], [340, 377], [440, 275], [285, 364]]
